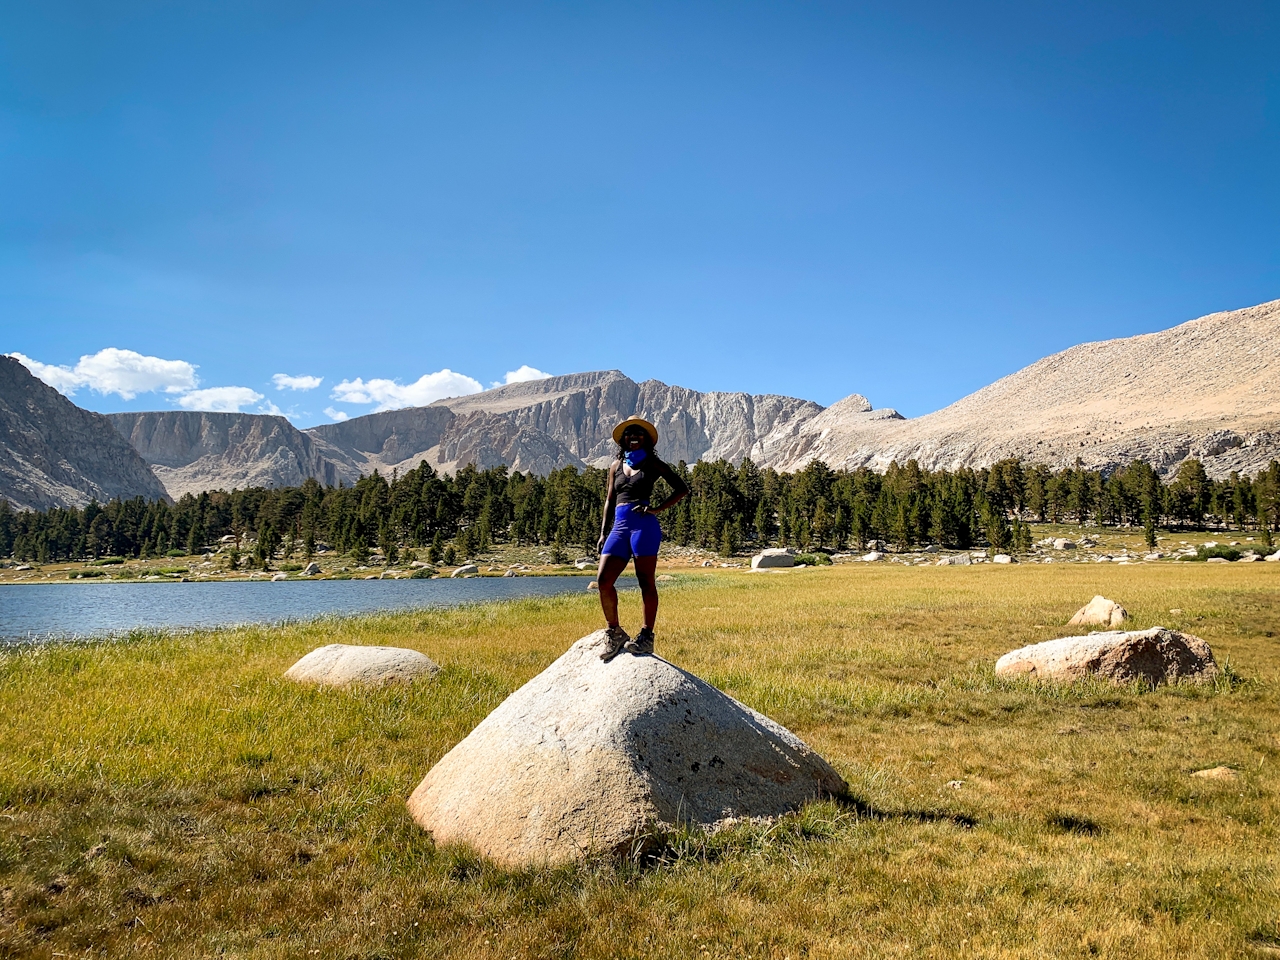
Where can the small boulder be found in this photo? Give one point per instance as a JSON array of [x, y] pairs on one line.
[[931, 548], [593, 585], [773, 557], [588, 756], [1100, 611], [1003, 558], [872, 557], [465, 569], [1217, 560], [1273, 557], [1061, 544], [509, 573], [311, 569], [956, 560], [280, 576], [664, 578], [1157, 655], [340, 664]]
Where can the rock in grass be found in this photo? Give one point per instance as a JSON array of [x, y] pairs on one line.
[[1217, 773], [1156, 655], [588, 756], [465, 569], [312, 569], [773, 557], [340, 664], [1101, 611]]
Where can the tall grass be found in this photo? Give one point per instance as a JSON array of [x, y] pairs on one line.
[[173, 796]]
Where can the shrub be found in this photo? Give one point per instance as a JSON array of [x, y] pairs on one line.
[[176, 552], [813, 559], [422, 573], [108, 561], [1204, 553]]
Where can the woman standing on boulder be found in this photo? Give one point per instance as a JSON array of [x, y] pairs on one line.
[[630, 528]]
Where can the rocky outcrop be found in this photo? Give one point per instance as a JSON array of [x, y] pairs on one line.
[[341, 664], [1156, 656], [772, 558], [1099, 611], [588, 756], [54, 454], [193, 451], [1209, 389]]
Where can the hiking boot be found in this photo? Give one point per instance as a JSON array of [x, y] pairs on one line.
[[614, 640], [642, 644]]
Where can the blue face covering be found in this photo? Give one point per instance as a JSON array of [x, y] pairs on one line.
[[633, 457]]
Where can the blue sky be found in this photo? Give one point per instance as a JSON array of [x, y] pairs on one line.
[[904, 201]]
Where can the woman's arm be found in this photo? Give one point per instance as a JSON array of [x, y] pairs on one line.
[[679, 489], [606, 521]]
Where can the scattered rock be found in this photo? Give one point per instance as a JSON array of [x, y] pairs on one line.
[[1217, 560], [877, 546], [339, 664], [1153, 556], [593, 585], [956, 560], [1176, 611], [955, 784], [584, 565], [1061, 544], [465, 569], [1101, 611], [1003, 558], [311, 569], [931, 548], [280, 576], [1217, 773], [588, 756], [773, 557], [664, 578], [873, 556], [509, 573], [712, 563], [1157, 655], [1273, 557]]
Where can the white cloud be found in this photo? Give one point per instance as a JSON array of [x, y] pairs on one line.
[[122, 372], [336, 415], [219, 399], [272, 409], [390, 395], [62, 379], [523, 375], [285, 382]]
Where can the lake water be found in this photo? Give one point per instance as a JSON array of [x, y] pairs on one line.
[[33, 612]]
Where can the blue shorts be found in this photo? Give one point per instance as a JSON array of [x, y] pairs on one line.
[[633, 533]]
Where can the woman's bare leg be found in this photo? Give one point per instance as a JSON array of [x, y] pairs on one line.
[[645, 569], [606, 577]]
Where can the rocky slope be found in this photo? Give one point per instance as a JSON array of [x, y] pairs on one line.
[[54, 454], [191, 452], [1208, 388]]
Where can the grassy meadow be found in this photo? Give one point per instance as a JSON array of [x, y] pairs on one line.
[[172, 796]]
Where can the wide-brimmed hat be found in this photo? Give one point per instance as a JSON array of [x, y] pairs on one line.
[[645, 425]]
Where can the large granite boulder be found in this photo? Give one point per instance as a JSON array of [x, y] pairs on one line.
[[340, 664], [1157, 655], [773, 557], [1100, 611], [588, 756]]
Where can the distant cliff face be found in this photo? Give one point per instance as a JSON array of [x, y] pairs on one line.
[[54, 454], [191, 451], [561, 421]]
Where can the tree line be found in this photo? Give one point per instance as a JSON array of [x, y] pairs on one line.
[[730, 508]]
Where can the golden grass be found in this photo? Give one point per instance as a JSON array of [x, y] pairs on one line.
[[172, 796]]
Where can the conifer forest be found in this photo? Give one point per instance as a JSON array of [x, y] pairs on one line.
[[446, 518]]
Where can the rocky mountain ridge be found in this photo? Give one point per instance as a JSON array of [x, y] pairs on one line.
[[1208, 388], [55, 454]]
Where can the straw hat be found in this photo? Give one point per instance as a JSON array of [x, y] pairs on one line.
[[648, 428]]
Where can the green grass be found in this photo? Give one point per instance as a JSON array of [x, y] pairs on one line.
[[172, 796]]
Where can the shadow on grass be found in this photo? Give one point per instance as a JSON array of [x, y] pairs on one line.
[[819, 822]]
